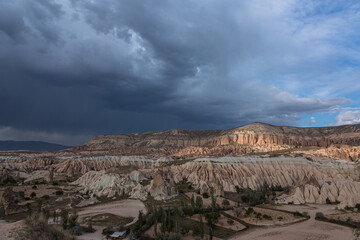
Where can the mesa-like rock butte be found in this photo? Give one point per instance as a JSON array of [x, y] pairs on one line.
[[316, 163]]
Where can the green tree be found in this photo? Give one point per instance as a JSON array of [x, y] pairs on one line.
[[33, 194], [29, 209], [192, 201], [55, 216], [225, 202], [213, 199], [72, 221], [64, 218], [199, 202], [46, 213], [39, 204], [2, 211], [201, 227]]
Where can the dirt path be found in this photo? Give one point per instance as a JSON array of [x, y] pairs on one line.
[[124, 208], [307, 230]]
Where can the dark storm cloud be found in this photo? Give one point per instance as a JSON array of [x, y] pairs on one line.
[[87, 67]]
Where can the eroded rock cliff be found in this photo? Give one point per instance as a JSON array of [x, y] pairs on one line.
[[256, 137]]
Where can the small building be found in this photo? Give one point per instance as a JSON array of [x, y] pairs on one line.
[[118, 235]]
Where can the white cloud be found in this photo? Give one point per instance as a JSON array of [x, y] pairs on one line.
[[312, 120], [348, 117]]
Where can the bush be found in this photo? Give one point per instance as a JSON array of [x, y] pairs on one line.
[[297, 214], [33, 194], [267, 217], [89, 228], [46, 197], [34, 187], [249, 211], [358, 206], [205, 195], [108, 230], [184, 231], [280, 218], [2, 211], [59, 192], [225, 202], [319, 215], [230, 221]]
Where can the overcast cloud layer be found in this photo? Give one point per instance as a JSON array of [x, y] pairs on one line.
[[72, 69]]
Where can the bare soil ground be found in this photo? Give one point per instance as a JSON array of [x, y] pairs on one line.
[[222, 222], [277, 217], [122, 208], [344, 216], [306, 230], [10, 231]]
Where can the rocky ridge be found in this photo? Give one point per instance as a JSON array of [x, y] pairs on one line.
[[256, 137]]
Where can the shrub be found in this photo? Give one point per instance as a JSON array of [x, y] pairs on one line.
[[33, 194], [2, 211], [89, 228], [46, 197], [358, 206], [280, 218], [225, 202], [319, 215], [348, 208], [249, 211], [108, 230], [267, 216], [205, 195], [184, 231], [34, 187], [297, 214], [230, 221], [59, 192]]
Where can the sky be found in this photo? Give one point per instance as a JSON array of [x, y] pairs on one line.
[[73, 69]]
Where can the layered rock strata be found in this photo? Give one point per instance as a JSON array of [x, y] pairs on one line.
[[312, 181], [256, 137]]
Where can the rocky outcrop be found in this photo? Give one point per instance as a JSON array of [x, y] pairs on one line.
[[110, 185], [311, 181], [9, 199], [347, 193], [350, 153], [162, 189], [50, 177], [253, 172]]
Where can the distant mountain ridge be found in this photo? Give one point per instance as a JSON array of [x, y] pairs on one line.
[[255, 137], [10, 145]]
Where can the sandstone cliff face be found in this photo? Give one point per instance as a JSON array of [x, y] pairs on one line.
[[255, 137]]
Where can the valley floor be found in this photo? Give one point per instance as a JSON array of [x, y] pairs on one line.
[[307, 230]]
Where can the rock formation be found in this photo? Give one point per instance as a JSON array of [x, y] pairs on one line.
[[162, 189], [102, 184], [256, 137]]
